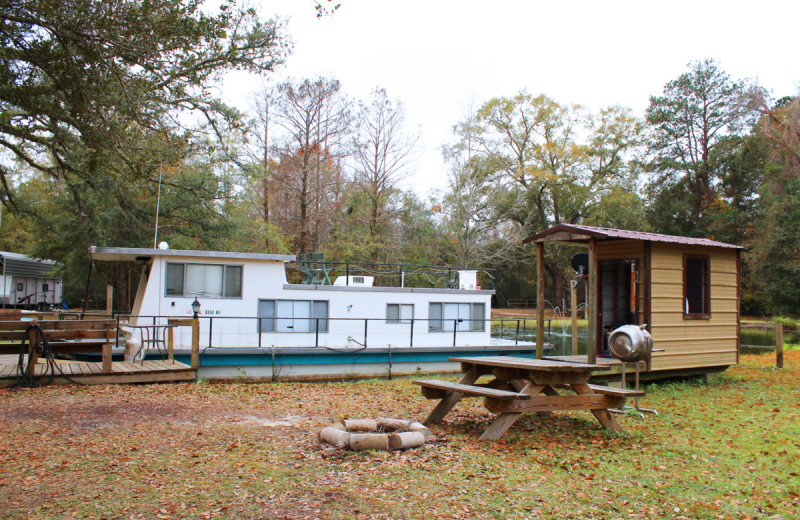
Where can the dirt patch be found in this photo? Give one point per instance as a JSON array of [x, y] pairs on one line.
[[90, 416]]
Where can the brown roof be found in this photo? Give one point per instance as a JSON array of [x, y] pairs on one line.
[[576, 233]]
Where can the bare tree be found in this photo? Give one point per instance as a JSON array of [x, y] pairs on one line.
[[478, 230], [382, 154], [313, 118]]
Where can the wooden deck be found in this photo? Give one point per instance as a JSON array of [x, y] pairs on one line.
[[91, 373]]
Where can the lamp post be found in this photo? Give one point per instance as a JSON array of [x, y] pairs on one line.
[[195, 334]]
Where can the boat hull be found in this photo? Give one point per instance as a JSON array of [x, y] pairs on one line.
[[282, 364]]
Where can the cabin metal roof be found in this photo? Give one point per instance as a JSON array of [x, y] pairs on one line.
[[576, 233], [128, 254], [15, 264]]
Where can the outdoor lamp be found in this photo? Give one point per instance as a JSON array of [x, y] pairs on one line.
[[195, 307]]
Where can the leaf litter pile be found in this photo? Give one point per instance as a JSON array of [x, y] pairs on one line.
[[730, 449]]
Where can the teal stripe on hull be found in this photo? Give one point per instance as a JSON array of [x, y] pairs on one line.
[[264, 358]]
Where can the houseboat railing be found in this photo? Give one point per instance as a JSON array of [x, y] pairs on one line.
[[515, 329], [383, 271]]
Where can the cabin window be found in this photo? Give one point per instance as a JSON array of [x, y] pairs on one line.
[[204, 280], [292, 316], [444, 317], [45, 287], [20, 287], [399, 313], [696, 287]]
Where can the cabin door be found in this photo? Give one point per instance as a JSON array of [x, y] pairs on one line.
[[617, 297]]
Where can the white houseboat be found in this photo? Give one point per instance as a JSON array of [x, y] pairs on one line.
[[254, 324]]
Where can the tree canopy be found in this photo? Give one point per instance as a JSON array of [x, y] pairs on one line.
[[112, 133]]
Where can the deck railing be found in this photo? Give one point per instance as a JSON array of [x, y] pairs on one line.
[[392, 275], [512, 329], [778, 346]]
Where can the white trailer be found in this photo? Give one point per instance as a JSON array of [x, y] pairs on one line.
[[28, 283]]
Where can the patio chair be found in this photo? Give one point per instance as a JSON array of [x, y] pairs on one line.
[[305, 268], [320, 272]]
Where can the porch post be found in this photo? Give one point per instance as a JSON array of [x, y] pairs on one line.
[[592, 311], [540, 300]]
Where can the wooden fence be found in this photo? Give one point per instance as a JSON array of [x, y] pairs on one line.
[[778, 347]]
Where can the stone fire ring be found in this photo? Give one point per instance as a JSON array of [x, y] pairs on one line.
[[372, 434]]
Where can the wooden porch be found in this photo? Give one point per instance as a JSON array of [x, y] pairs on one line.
[[91, 373]]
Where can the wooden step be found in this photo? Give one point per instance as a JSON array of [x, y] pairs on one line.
[[617, 392]]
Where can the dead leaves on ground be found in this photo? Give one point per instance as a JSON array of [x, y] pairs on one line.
[[729, 450]]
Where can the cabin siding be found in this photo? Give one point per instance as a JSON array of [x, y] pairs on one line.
[[620, 249], [691, 343]]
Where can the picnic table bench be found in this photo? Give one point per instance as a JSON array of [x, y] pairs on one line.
[[526, 385]]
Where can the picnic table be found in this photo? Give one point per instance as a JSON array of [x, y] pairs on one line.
[[526, 385]]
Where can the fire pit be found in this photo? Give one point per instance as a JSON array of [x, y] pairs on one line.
[[376, 434]]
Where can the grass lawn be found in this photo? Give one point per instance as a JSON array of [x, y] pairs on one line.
[[727, 450]]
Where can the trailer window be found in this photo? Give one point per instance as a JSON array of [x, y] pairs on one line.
[[204, 280], [444, 317], [292, 316], [696, 287]]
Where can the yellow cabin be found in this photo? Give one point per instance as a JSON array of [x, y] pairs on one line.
[[686, 290]]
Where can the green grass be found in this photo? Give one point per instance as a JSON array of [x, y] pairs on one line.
[[730, 449]]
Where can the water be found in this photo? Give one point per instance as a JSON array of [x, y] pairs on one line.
[[560, 337]]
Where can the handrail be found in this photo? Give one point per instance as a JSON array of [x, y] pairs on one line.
[[455, 325]]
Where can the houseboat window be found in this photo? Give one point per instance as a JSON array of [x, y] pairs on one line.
[[292, 316], [443, 317], [696, 287], [45, 287], [399, 313], [174, 279], [205, 280], [20, 287], [233, 281]]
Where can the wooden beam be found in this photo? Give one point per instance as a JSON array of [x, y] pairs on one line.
[[593, 310], [109, 299], [540, 305], [573, 296], [195, 359]]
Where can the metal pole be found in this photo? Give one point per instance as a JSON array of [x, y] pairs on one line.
[[411, 336], [366, 321], [516, 339], [316, 330], [455, 329], [158, 205], [86, 290]]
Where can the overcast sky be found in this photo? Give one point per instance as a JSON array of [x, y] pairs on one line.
[[439, 57]]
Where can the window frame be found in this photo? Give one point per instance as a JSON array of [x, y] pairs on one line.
[[400, 319], [312, 320], [439, 324], [705, 313], [224, 281]]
